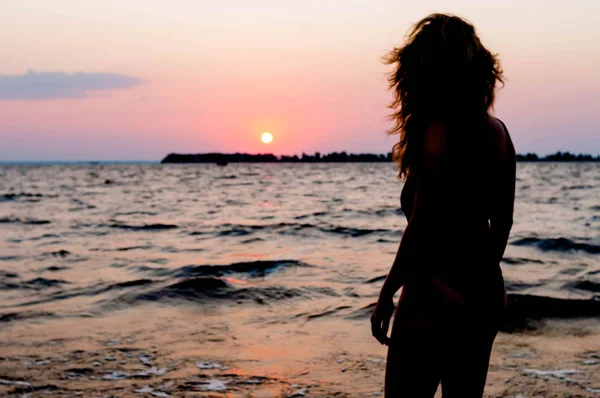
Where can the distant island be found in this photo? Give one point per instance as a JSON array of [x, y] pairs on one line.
[[338, 157], [221, 158], [558, 157]]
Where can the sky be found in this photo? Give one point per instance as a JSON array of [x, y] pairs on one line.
[[138, 79]]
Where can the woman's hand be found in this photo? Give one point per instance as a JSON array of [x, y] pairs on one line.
[[380, 319]]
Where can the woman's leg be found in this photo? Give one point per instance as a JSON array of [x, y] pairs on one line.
[[466, 362], [414, 356]]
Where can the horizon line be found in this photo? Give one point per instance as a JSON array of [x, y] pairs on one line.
[[154, 161]]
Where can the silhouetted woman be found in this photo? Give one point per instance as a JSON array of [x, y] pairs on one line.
[[458, 164]]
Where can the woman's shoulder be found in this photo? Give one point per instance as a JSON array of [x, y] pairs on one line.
[[501, 138], [498, 126]]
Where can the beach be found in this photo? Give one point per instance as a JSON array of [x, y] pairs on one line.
[[195, 354], [258, 280]]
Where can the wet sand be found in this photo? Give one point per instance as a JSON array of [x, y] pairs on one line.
[[188, 352]]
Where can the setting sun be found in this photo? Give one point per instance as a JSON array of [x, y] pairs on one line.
[[266, 138]]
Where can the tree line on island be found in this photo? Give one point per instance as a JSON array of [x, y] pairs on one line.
[[337, 157], [270, 158]]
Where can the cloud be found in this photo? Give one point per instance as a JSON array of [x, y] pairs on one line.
[[55, 85]]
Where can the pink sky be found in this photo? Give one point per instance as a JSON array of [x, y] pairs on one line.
[[192, 76]]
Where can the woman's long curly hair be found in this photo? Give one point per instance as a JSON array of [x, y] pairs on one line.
[[443, 73]]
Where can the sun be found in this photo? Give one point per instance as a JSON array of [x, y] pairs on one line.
[[266, 137]]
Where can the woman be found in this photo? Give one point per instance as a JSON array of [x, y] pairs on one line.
[[458, 164]]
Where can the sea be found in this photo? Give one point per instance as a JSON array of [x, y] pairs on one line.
[[303, 240], [258, 280]]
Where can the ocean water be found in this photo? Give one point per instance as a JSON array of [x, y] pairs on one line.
[[302, 241]]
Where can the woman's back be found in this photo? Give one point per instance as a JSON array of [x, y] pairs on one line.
[[471, 170]]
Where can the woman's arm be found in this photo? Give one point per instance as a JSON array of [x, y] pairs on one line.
[[382, 315], [501, 217], [428, 203], [402, 264]]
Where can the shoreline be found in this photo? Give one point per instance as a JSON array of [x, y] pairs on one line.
[[165, 351]]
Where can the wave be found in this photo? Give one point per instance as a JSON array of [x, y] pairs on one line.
[[121, 249], [587, 285], [137, 282], [558, 244], [362, 313], [234, 232], [42, 283], [24, 197], [155, 270], [208, 287], [376, 279], [517, 286], [87, 291], [55, 268], [24, 221], [324, 313], [252, 240], [286, 228], [213, 289], [137, 212], [594, 272], [315, 214], [571, 271], [57, 253], [321, 291], [12, 258], [386, 211], [39, 237], [520, 261], [64, 255], [145, 227], [36, 284], [523, 308], [7, 275], [568, 188], [257, 227], [354, 232], [202, 286], [253, 268], [18, 316], [9, 286]]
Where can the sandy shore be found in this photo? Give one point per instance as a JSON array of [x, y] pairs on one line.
[[164, 351]]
